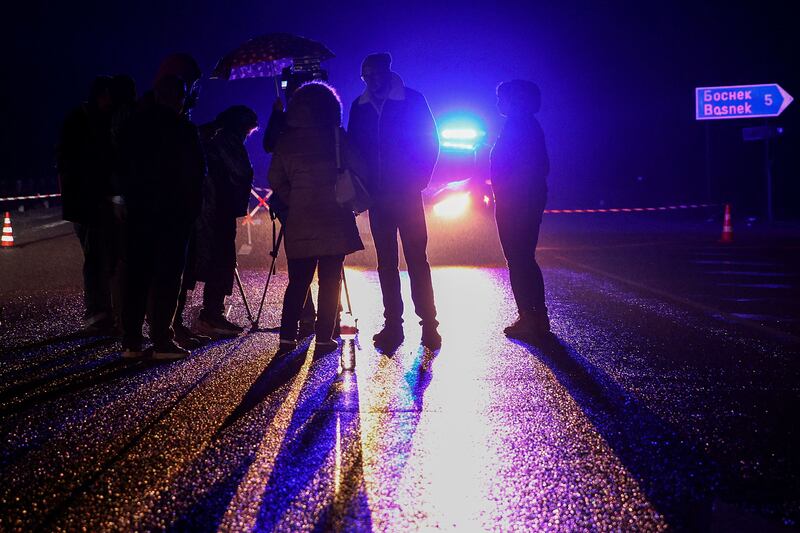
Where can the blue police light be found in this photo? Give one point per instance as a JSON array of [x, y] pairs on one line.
[[460, 133]]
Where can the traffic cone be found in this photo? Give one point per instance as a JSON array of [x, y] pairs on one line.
[[727, 228], [8, 235]]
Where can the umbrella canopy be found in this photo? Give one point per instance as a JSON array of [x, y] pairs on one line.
[[267, 56]]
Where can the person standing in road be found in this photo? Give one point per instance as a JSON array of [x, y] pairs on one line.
[[319, 232], [519, 168], [85, 160], [392, 126], [276, 127], [226, 192], [162, 168]]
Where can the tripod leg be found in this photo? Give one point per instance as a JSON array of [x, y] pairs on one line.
[[346, 292], [274, 254], [244, 296]]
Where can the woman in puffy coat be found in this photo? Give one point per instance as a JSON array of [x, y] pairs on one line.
[[319, 232], [226, 192]]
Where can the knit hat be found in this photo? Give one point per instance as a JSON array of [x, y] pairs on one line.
[[380, 61]]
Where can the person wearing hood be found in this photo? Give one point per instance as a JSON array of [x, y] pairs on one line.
[[226, 191], [393, 128], [319, 231], [519, 168]]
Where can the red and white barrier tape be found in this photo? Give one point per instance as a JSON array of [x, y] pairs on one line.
[[628, 209], [31, 197]]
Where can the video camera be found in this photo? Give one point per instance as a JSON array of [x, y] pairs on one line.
[[304, 69]]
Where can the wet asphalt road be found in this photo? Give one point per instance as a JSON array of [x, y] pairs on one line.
[[660, 404]]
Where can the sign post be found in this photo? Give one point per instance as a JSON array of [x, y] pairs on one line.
[[742, 101]]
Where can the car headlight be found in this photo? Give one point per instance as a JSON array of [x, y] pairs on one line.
[[453, 205]]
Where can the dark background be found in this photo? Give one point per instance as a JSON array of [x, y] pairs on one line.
[[617, 79]]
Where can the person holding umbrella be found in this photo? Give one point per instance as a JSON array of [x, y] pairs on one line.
[[392, 126], [319, 231]]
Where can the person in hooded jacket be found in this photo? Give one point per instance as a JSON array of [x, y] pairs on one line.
[[392, 126], [519, 168], [226, 191], [319, 232]]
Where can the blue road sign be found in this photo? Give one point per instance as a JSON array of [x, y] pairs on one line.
[[740, 101]]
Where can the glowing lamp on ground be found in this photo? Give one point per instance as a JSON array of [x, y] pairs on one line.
[[452, 206]]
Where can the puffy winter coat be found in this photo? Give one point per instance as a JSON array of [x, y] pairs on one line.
[[303, 173]]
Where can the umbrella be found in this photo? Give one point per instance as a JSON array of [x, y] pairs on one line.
[[267, 55]]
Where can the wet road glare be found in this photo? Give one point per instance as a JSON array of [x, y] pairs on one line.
[[640, 415]]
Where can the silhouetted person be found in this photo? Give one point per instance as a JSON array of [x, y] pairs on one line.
[[162, 175], [319, 232], [85, 160], [226, 192], [394, 128], [519, 168], [276, 127], [185, 67]]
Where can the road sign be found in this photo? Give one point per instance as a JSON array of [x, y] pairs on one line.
[[740, 101]]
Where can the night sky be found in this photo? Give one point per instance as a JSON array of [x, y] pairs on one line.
[[617, 79]]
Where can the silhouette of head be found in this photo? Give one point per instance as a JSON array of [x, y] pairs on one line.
[[518, 98], [100, 93], [170, 91], [239, 120], [376, 71], [186, 68], [315, 104]]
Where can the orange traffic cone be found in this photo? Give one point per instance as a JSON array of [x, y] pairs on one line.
[[8, 235], [727, 228]]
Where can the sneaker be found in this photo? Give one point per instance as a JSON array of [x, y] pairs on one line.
[[216, 327], [431, 338], [285, 346], [391, 336], [132, 352], [188, 339], [169, 352], [306, 329]]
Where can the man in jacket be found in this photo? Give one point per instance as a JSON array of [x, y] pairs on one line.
[[162, 172], [395, 131]]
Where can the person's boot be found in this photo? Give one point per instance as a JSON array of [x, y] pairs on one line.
[[430, 337], [187, 338], [285, 346], [390, 337], [169, 351], [524, 328], [541, 323], [216, 327]]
